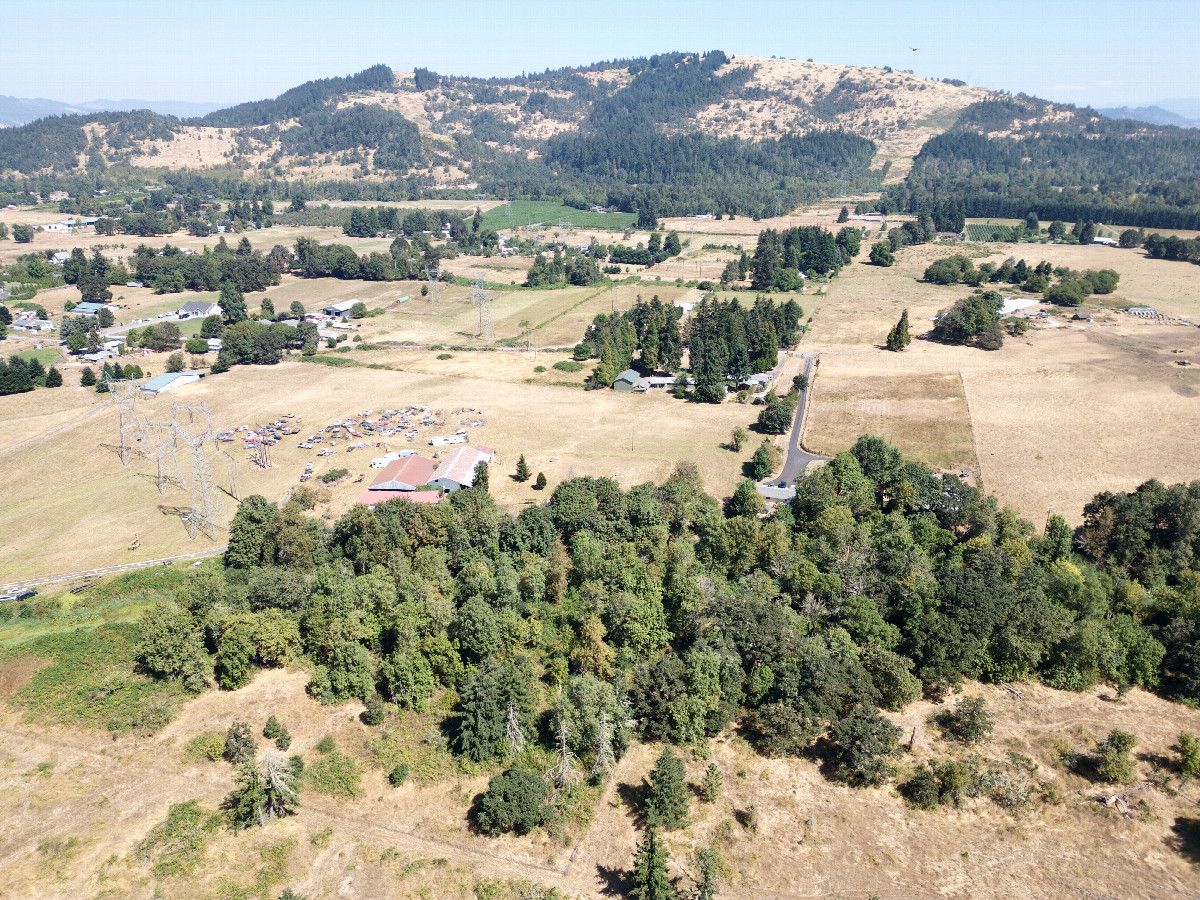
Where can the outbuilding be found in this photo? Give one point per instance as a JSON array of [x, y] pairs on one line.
[[456, 470], [406, 474], [371, 499], [629, 380], [337, 310], [87, 308], [168, 381]]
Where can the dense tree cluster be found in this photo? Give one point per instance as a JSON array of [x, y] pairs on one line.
[[170, 270], [972, 320], [879, 581]]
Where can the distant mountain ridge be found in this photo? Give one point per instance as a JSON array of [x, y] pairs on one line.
[[1151, 115], [18, 111]]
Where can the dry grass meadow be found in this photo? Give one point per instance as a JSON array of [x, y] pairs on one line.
[[1057, 415], [75, 804]]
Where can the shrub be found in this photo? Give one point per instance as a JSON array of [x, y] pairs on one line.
[[1189, 755], [969, 722], [272, 729], [860, 744], [539, 369], [178, 843], [514, 801], [567, 365], [922, 791], [376, 710], [326, 744], [334, 474], [445, 356], [337, 775], [209, 745], [284, 740], [397, 776], [1112, 760]]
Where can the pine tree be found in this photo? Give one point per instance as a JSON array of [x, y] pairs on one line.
[[53, 378], [713, 785], [87, 378], [232, 303], [899, 337], [650, 879], [523, 472], [540, 484], [667, 804]]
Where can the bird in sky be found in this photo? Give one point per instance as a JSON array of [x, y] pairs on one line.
[[914, 49]]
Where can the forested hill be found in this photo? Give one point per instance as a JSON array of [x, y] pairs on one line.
[[675, 133], [1012, 155]]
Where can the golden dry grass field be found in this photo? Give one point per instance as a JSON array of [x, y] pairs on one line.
[[75, 805], [69, 504], [1057, 415]]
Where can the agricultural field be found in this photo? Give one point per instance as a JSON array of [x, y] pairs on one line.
[[536, 212], [1055, 416]]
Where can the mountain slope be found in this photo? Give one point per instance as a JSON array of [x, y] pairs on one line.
[[17, 111]]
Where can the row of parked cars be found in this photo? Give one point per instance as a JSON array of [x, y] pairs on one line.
[[22, 594]]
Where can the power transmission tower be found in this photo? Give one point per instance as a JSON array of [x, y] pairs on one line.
[[435, 286], [231, 466], [192, 424], [126, 393], [261, 455], [483, 325]]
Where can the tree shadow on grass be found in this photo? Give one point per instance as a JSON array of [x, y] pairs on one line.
[[634, 798], [617, 882], [1185, 839]]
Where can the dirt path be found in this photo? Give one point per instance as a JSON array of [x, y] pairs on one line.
[[113, 570]]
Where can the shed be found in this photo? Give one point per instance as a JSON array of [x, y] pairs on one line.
[[456, 470], [87, 308], [168, 381], [339, 309], [628, 380]]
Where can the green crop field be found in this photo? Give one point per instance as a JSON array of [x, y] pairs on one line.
[[993, 233], [537, 212]]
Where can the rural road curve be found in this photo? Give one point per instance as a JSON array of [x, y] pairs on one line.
[[112, 570], [797, 457]]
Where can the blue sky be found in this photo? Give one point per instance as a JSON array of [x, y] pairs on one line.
[[1098, 52]]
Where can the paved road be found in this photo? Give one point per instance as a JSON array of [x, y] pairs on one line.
[[797, 457], [112, 570]]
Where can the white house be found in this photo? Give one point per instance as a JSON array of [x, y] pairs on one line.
[[198, 309], [57, 228]]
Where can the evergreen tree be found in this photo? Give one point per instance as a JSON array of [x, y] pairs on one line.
[[523, 472], [650, 879], [761, 464], [267, 308], [87, 378], [53, 378], [232, 303], [899, 338], [713, 784], [540, 484], [844, 215], [667, 802]]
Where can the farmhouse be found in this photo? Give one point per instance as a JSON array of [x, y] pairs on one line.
[[58, 228], [457, 469], [87, 308], [336, 310], [168, 381], [60, 257], [198, 309], [405, 474]]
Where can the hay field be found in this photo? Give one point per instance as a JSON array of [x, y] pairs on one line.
[[69, 505], [924, 416], [63, 790]]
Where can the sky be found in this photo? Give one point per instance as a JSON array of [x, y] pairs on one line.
[[1093, 52]]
